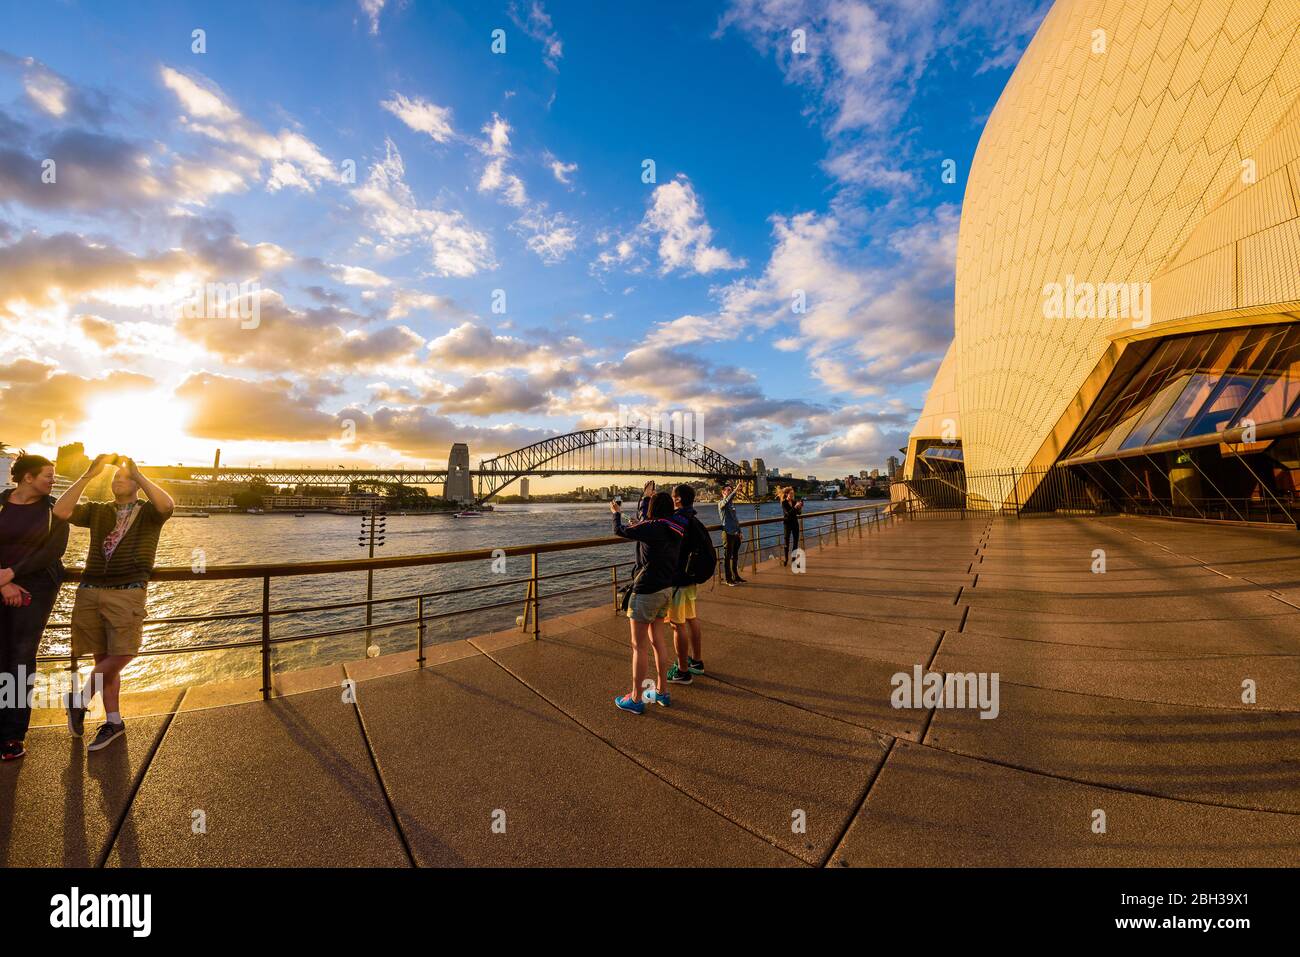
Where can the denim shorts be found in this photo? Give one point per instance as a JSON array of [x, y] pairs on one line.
[[649, 606]]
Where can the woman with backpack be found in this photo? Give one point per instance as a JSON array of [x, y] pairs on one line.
[[658, 540], [32, 543]]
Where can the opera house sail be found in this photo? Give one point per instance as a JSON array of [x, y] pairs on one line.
[[1128, 274]]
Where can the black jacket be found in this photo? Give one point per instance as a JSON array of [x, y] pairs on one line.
[[658, 543], [42, 569], [791, 513], [695, 533]]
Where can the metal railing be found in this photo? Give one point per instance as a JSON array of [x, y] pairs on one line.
[[1106, 488], [822, 526]]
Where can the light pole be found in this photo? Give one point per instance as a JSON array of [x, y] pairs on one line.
[[373, 526]]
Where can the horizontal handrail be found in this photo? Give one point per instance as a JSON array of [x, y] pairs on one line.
[[344, 565], [266, 572]]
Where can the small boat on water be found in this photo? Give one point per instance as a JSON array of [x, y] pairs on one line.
[[190, 515], [469, 513], [299, 514]]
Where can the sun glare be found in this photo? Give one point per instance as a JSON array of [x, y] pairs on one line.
[[147, 426]]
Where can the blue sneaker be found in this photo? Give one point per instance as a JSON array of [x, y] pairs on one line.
[[695, 664], [625, 703], [677, 676], [661, 698]]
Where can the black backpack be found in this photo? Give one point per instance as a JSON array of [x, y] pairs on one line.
[[698, 559]]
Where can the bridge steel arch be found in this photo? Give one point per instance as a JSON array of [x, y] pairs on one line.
[[496, 473]]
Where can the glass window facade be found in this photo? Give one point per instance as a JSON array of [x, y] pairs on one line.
[[1196, 386]]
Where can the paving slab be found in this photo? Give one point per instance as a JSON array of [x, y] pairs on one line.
[[1241, 758], [1258, 634], [888, 641], [492, 752], [756, 761], [1172, 676], [1211, 600], [848, 687], [921, 613], [282, 783], [60, 805], [771, 587], [930, 808]]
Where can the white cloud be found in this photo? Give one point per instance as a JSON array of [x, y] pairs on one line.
[[498, 137], [865, 61], [496, 178], [422, 116], [863, 326], [293, 159], [406, 301], [536, 22], [685, 237], [674, 223], [358, 276], [551, 237], [372, 9], [196, 99], [399, 224], [563, 172], [47, 90]]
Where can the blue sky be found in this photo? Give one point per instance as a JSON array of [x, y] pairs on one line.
[[783, 168]]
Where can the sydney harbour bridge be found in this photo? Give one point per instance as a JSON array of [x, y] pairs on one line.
[[612, 450]]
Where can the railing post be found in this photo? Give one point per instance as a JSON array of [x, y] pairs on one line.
[[419, 632], [835, 528], [537, 602], [266, 637], [613, 581], [370, 609]]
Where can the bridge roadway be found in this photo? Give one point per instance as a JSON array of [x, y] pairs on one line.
[[1120, 692]]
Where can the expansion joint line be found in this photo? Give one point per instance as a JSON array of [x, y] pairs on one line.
[[866, 793], [383, 785], [129, 803]]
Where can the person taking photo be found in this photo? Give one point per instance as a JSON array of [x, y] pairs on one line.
[[109, 610]]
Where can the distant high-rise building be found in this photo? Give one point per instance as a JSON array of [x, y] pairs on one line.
[[875, 473], [523, 488], [893, 466]]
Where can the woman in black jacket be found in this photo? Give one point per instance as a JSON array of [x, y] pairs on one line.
[[790, 510], [32, 542], [658, 541]]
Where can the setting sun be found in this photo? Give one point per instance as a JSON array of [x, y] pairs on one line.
[[148, 426]]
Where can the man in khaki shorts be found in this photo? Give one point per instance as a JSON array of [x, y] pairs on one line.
[[696, 563], [108, 613]]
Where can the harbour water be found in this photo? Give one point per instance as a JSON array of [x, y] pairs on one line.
[[225, 539]]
